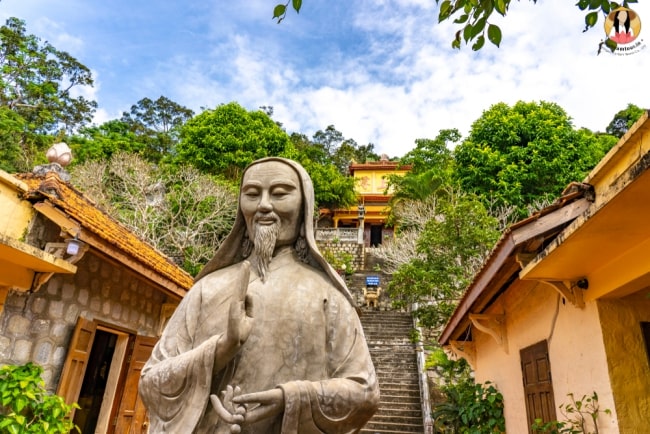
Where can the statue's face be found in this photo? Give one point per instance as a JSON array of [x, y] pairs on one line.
[[271, 194]]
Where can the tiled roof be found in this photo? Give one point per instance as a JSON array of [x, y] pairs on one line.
[[505, 251], [96, 221]]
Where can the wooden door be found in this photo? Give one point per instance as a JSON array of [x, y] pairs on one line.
[[132, 415], [76, 361], [538, 385]]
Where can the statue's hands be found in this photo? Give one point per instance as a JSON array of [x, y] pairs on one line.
[[230, 413], [261, 405], [240, 321]]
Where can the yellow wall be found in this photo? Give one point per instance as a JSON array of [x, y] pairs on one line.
[[374, 181], [15, 214], [576, 352], [628, 363]]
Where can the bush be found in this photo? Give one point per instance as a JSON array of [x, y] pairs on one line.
[[343, 263], [469, 407], [25, 405], [579, 414]]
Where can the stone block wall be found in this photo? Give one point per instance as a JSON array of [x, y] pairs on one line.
[[38, 326], [340, 247]]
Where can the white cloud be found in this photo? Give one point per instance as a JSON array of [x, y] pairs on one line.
[[380, 71]]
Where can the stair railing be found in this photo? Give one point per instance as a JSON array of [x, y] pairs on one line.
[[427, 420]]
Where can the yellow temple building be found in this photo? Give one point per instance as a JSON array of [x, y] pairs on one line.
[[373, 194]]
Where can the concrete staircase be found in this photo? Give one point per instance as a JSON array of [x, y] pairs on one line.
[[393, 355]]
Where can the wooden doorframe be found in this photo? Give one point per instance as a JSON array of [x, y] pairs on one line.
[[127, 361]]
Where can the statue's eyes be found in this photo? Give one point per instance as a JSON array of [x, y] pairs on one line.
[[282, 191], [279, 192], [251, 193]]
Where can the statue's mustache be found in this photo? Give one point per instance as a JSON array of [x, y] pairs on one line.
[[268, 217]]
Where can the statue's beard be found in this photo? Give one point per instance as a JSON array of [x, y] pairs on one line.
[[265, 239]]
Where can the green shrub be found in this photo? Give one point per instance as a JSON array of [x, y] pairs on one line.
[[469, 407], [25, 405], [343, 263], [578, 413]]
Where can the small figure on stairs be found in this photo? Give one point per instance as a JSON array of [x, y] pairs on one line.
[[372, 291], [371, 296]]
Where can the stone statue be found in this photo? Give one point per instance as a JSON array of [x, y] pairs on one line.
[[268, 339]]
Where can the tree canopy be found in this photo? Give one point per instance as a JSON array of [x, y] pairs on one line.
[[226, 139], [524, 153], [157, 124], [450, 248], [36, 81], [431, 167], [623, 120], [36, 95], [331, 188], [100, 142]]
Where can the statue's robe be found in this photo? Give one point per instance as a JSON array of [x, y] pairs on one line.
[[306, 339]]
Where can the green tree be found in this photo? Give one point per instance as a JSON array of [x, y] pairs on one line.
[[473, 17], [431, 167], [12, 126], [329, 139], [157, 123], [101, 142], [451, 247], [36, 84], [225, 140], [332, 189], [350, 151], [36, 81], [341, 151], [624, 119], [522, 154]]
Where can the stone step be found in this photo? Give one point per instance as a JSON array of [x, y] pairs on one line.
[[388, 381], [394, 356], [395, 363], [398, 378], [373, 318], [398, 427], [410, 420], [399, 412], [399, 399], [401, 391], [407, 378], [400, 406], [379, 431]]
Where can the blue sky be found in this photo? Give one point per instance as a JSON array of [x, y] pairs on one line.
[[380, 71]]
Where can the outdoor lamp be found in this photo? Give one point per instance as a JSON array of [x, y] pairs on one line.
[[73, 245]]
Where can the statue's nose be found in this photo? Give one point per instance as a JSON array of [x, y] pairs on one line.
[[265, 203]]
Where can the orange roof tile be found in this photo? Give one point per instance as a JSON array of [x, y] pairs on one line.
[[99, 223]]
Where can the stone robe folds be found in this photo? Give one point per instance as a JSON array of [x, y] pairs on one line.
[[306, 339]]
